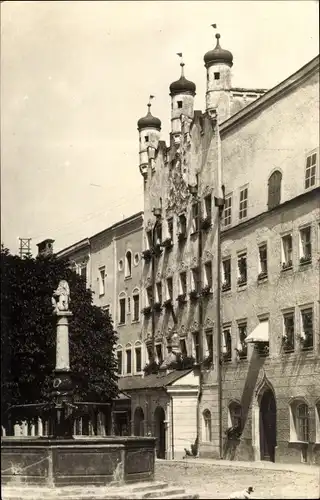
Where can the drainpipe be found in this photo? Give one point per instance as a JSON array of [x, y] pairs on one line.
[[172, 429], [219, 203], [195, 192]]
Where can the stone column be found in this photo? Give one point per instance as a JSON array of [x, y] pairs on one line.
[[62, 346]]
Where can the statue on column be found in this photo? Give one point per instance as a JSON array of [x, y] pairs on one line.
[[61, 297]]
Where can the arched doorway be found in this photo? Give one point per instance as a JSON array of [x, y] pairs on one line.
[[138, 422], [268, 426], [160, 431]]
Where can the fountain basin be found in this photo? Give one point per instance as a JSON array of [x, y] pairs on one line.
[[82, 460]]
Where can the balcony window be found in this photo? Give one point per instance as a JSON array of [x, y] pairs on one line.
[[286, 252], [209, 341], [227, 212], [128, 360], [243, 205], [242, 269], [183, 283], [169, 289], [149, 296], [305, 245], [138, 358], [159, 292], [170, 228], [119, 361]]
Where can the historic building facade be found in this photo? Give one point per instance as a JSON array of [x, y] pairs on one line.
[[231, 260]]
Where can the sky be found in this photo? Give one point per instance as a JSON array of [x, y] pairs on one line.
[[76, 77]]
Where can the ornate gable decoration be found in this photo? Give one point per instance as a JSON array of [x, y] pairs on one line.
[[178, 193]]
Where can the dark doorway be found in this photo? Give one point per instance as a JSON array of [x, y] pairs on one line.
[[138, 422], [160, 431], [268, 426]]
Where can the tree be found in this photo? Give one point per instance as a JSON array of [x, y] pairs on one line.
[[28, 334]]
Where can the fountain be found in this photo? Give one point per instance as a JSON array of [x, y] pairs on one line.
[[63, 459]]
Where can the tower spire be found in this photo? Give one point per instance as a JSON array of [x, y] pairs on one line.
[[181, 63]]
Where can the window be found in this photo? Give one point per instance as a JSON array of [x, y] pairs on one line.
[[136, 305], [288, 332], [138, 357], [226, 344], [311, 164], [242, 269], [306, 328], [286, 251], [243, 205], [235, 415], [227, 210], [242, 346], [149, 239], [102, 277], [149, 296], [208, 206], [217, 76], [159, 354], [263, 262], [120, 265], [226, 274], [128, 264], [195, 218], [169, 289], [146, 138], [208, 274], [128, 359], [83, 272], [207, 437], [179, 104], [317, 415], [159, 292], [183, 347], [183, 283], [106, 308], [158, 233], [274, 189], [195, 279], [209, 341], [122, 310], [136, 259], [196, 346], [170, 228], [302, 422], [305, 245], [182, 226], [119, 360]]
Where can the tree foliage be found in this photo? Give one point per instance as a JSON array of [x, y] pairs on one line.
[[28, 333]]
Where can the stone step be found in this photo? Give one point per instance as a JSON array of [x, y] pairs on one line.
[[182, 496], [164, 493], [148, 486]]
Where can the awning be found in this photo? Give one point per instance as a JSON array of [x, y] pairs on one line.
[[260, 333]]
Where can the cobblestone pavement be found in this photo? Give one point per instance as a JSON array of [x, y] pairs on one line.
[[217, 481]]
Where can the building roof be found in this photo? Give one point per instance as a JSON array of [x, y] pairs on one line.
[[86, 241], [218, 55], [271, 95], [182, 86], [149, 121], [153, 381]]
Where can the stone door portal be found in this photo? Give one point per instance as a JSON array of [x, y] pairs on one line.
[[268, 426]]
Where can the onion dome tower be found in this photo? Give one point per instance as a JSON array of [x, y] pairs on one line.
[[149, 128], [182, 94], [218, 63]]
